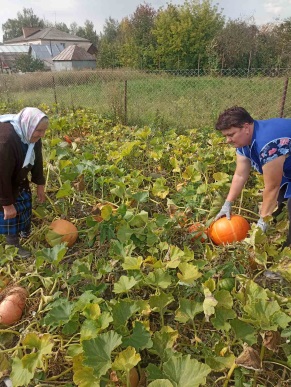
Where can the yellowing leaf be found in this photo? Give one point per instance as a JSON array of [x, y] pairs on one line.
[[189, 273], [126, 360], [209, 304]]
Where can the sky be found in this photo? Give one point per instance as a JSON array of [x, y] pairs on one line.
[[97, 11]]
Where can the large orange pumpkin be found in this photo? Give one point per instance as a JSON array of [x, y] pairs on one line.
[[66, 229], [227, 231]]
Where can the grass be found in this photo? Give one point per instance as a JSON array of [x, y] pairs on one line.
[[172, 101]]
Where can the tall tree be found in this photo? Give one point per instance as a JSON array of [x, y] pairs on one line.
[[268, 48], [282, 32], [141, 24], [108, 56], [13, 27], [88, 32], [185, 33], [237, 43]]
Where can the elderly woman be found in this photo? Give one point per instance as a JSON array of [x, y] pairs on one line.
[[264, 145], [20, 153]]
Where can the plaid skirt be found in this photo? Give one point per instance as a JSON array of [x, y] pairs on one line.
[[21, 223]]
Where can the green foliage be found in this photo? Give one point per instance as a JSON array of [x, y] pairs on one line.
[[12, 28], [136, 290], [27, 64]]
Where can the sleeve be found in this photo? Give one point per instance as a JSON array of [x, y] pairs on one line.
[[275, 148], [37, 175], [7, 166], [242, 152]]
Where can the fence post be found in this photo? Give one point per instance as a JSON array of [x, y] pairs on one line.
[[284, 97], [55, 93], [125, 102]]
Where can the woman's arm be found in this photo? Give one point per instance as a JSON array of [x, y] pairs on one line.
[[240, 177], [272, 173]]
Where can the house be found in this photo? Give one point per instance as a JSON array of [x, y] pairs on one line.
[[47, 36], [45, 53], [9, 54], [74, 58]]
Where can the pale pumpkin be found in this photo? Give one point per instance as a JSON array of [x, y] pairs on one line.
[[65, 229], [12, 303]]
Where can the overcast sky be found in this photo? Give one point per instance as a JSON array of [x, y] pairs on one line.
[[69, 11]]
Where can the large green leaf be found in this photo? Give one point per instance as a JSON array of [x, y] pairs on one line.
[[183, 371], [124, 284], [59, 313], [97, 352], [187, 310], [65, 190], [163, 340], [159, 302], [243, 331], [159, 278], [222, 315], [122, 311], [91, 328], [20, 375], [52, 255], [139, 339]]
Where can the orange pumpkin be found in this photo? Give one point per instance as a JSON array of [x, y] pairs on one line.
[[66, 229], [227, 231], [12, 303], [198, 230]]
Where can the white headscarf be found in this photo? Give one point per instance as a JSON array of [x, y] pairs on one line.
[[25, 123]]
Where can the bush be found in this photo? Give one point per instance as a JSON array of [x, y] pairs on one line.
[[25, 64]]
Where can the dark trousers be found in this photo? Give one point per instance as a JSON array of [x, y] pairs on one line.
[[281, 203]]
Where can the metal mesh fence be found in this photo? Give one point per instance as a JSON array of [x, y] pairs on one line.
[[186, 99]]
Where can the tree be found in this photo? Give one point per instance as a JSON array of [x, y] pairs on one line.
[[268, 48], [27, 64], [237, 44], [62, 27], [88, 32], [108, 47], [283, 35], [185, 33], [13, 27], [141, 24]]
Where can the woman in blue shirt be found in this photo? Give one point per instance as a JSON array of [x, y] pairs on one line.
[[266, 146]]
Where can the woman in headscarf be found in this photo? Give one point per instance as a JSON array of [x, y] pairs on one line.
[[20, 153]]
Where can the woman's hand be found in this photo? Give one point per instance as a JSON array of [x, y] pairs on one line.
[[40, 193], [9, 212]]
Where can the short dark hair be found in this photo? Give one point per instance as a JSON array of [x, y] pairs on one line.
[[235, 116]]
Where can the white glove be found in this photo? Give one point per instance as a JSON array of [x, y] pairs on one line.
[[263, 225], [225, 210]]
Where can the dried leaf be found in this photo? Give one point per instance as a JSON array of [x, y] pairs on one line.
[[271, 340], [249, 358]]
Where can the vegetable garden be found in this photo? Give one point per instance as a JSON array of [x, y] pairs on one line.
[[138, 300]]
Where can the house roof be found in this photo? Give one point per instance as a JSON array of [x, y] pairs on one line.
[[74, 53], [18, 49], [46, 51], [49, 33], [89, 47]]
